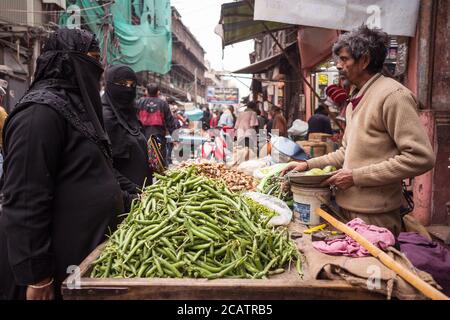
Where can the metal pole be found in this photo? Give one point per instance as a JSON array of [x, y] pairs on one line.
[[195, 86], [105, 36]]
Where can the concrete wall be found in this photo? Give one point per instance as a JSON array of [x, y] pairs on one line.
[[440, 104], [429, 79]]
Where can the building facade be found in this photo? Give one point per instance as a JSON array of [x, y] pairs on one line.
[[23, 26], [186, 80], [275, 77]]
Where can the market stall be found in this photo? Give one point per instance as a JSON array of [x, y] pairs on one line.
[[279, 287], [201, 233]]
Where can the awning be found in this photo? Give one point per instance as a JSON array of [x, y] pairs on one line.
[[315, 45], [237, 24], [397, 17], [264, 65]]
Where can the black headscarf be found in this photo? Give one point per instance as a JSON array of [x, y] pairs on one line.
[[65, 67], [121, 99]]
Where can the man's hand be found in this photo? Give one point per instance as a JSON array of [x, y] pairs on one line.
[[44, 293], [343, 179], [295, 166]]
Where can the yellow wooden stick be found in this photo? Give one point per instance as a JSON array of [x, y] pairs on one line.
[[406, 274]]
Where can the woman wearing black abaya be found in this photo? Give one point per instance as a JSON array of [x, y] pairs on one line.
[[129, 146], [60, 190]]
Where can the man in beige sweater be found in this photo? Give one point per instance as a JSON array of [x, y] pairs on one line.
[[384, 141]]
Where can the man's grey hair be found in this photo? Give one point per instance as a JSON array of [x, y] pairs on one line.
[[365, 41]]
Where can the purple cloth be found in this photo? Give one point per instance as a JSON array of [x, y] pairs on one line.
[[428, 256], [381, 237]]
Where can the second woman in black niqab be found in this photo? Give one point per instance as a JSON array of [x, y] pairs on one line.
[[129, 146]]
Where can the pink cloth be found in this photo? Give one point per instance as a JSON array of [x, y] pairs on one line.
[[380, 237]]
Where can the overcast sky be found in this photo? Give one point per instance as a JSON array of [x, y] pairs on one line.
[[201, 17]]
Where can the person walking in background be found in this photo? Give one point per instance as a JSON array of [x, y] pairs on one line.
[[246, 131], [177, 123], [182, 121], [319, 122], [227, 118], [279, 123], [156, 117], [174, 109], [247, 125], [262, 121], [214, 119], [129, 145], [233, 114], [206, 118]]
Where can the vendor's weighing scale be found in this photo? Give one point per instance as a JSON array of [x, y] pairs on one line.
[[300, 178]]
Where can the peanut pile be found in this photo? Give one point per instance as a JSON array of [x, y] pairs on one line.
[[236, 181]]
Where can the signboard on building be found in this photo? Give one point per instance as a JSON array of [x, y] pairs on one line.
[[222, 95]]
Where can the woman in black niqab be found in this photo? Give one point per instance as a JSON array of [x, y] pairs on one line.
[[60, 191], [129, 146], [69, 66]]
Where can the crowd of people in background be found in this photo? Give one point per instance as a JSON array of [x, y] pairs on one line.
[[251, 117]]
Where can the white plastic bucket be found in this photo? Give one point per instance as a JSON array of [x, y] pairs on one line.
[[306, 202]]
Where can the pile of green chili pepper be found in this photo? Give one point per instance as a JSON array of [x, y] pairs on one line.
[[273, 187], [258, 208], [191, 226]]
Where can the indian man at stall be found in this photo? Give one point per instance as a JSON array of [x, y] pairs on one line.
[[384, 141]]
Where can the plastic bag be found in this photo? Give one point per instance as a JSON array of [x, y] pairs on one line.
[[275, 169], [262, 173], [284, 214], [249, 167], [299, 128]]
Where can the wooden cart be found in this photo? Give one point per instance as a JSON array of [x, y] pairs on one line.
[[280, 287]]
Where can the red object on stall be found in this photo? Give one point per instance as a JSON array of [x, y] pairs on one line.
[[337, 94]]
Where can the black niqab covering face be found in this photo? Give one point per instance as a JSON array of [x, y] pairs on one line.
[[65, 64], [121, 98]]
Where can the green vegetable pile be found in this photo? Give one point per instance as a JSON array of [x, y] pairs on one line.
[[273, 187], [259, 208], [191, 226], [320, 172]]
